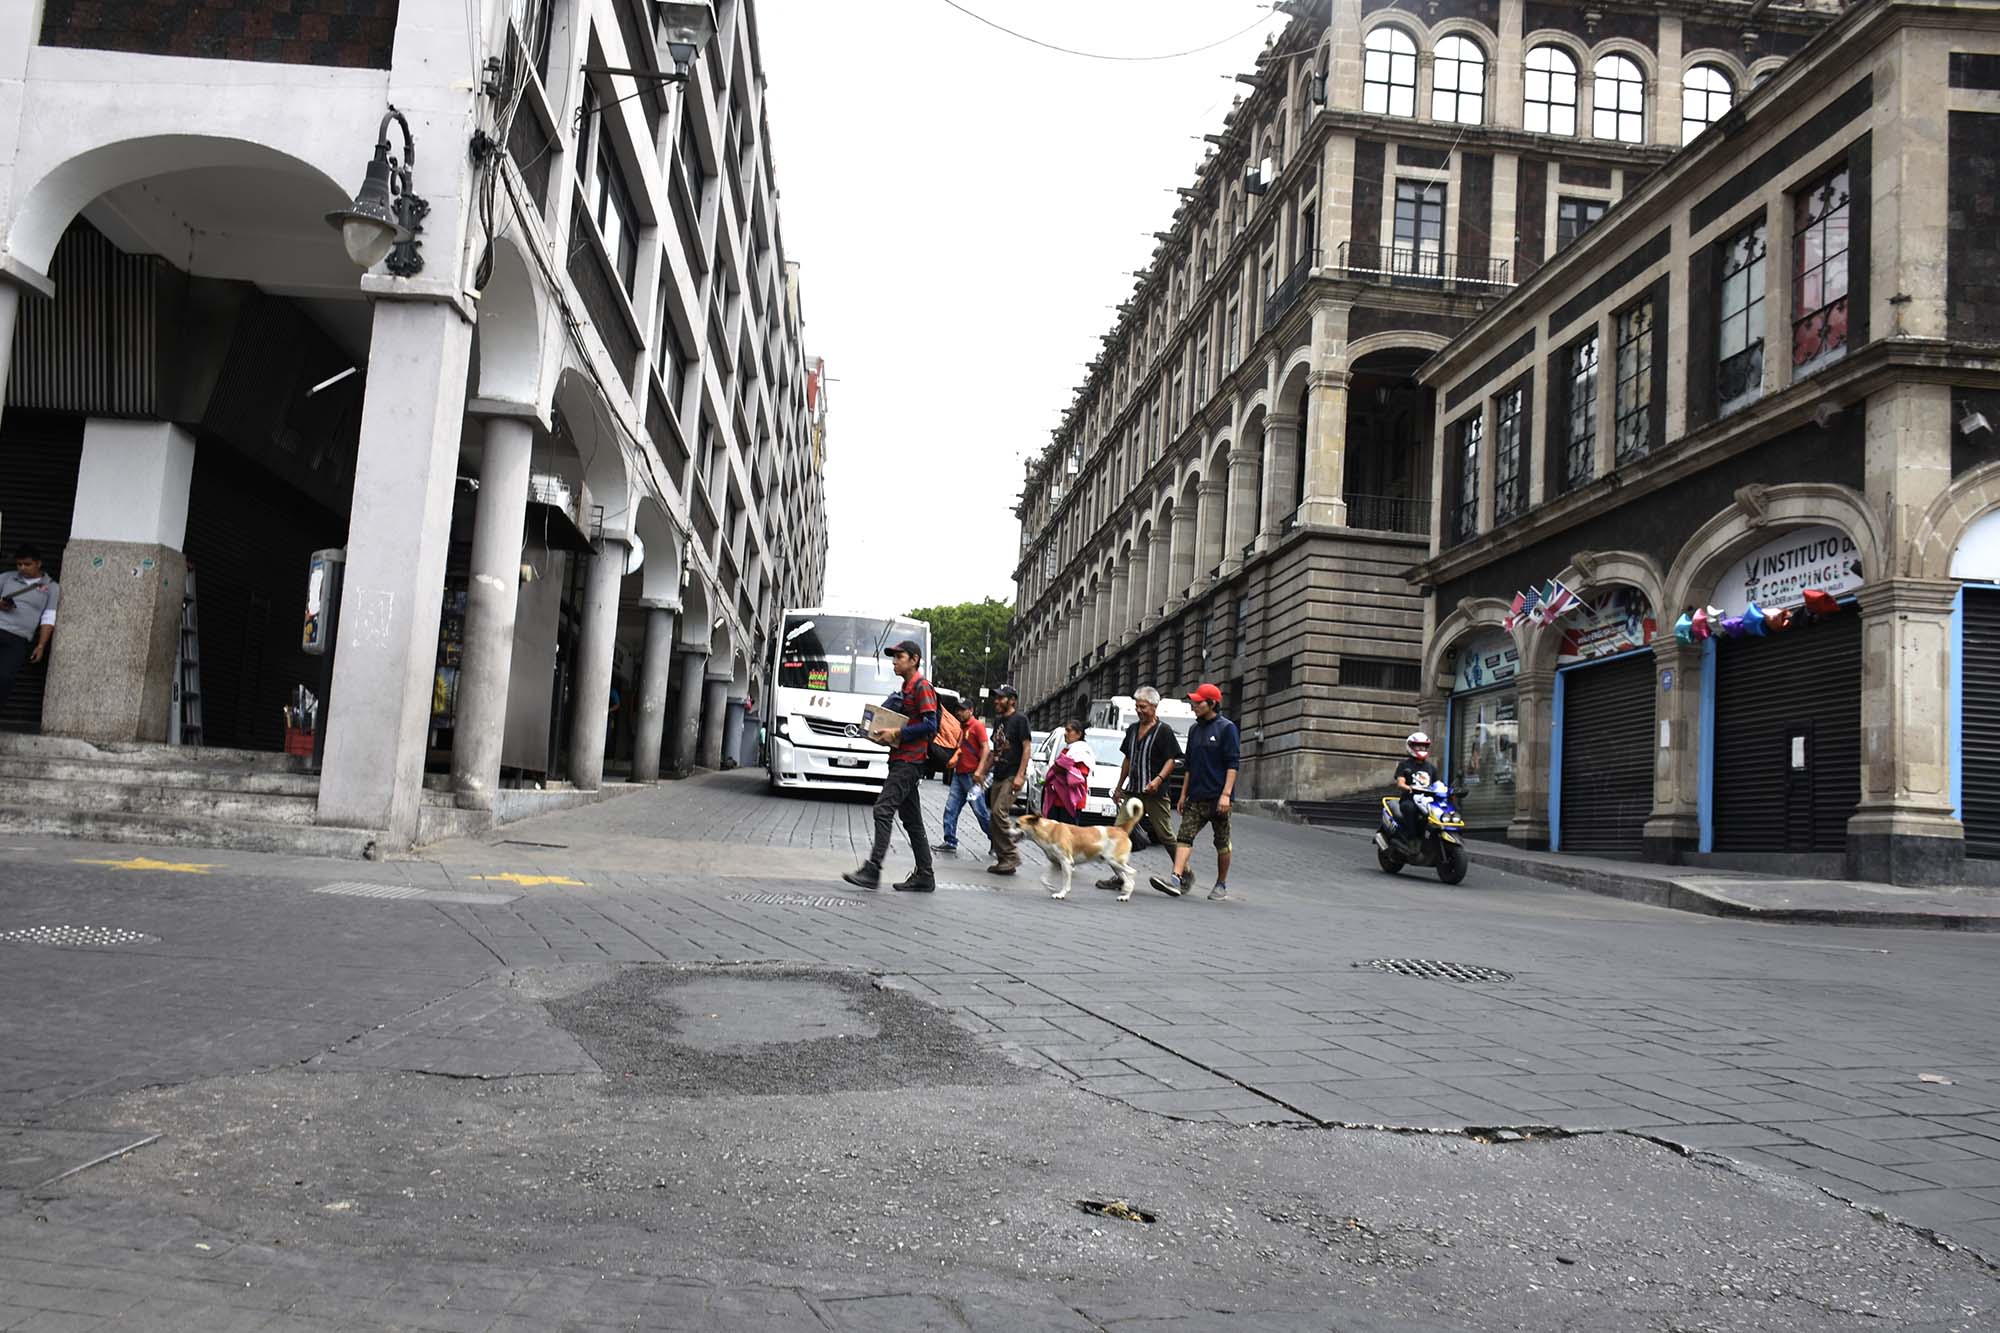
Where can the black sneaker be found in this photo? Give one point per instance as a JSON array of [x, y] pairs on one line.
[[947, 848], [866, 877], [1168, 885], [917, 882], [1001, 870], [1111, 882]]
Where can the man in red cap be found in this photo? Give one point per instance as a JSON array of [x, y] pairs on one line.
[[909, 746], [1214, 752]]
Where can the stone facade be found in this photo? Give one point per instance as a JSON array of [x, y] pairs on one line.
[[1245, 476], [1747, 380]]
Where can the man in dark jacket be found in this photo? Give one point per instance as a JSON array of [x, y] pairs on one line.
[[901, 796], [1214, 754]]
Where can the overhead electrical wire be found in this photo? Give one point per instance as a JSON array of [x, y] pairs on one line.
[[1100, 55]]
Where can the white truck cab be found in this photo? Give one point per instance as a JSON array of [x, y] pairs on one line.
[[1119, 712]]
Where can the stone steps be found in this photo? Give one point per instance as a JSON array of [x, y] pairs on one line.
[[146, 754], [95, 793], [25, 771], [182, 831]]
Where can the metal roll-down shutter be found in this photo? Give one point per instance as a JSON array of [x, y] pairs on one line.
[[1979, 724], [1607, 755], [1788, 738]]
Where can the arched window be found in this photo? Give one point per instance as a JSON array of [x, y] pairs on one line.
[[1389, 73], [1458, 85], [1706, 96], [1619, 92], [1551, 94]]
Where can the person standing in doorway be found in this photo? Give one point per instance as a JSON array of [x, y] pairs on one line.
[[971, 755], [1214, 752], [901, 795], [1002, 772], [28, 598], [1152, 752]]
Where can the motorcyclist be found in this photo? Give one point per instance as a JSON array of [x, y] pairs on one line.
[[1414, 774]]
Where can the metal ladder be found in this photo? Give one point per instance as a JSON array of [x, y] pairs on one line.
[[184, 720]]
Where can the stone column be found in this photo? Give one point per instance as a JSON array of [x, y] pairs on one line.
[[732, 730], [1139, 605], [1667, 121], [405, 470], [655, 671], [1184, 543], [1534, 717], [1325, 503], [1674, 827], [1214, 518], [1245, 475], [693, 666], [1159, 563], [1904, 831], [490, 599], [1121, 603], [1281, 477], [111, 669], [593, 664], [714, 710]]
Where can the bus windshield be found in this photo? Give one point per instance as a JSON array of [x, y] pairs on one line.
[[843, 654]]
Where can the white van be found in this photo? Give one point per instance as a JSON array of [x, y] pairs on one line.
[[1118, 713]]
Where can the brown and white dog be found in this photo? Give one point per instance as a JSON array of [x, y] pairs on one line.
[[1067, 844]]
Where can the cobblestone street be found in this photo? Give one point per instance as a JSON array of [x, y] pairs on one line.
[[418, 1094]]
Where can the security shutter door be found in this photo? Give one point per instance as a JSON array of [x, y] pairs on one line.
[[1788, 738], [39, 454], [1607, 758], [1979, 732]]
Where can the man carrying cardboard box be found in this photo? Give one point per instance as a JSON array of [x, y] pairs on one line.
[[916, 704]]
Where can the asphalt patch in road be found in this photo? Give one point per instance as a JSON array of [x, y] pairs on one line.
[[731, 1031]]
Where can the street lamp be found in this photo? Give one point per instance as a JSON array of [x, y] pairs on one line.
[[684, 29], [387, 214]]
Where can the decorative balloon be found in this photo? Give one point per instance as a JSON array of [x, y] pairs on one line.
[[1820, 604], [1702, 629], [1733, 626], [1754, 618], [1780, 619], [1684, 628]]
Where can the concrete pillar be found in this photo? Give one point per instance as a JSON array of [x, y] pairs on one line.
[[655, 671], [1667, 97], [1903, 832], [1325, 503], [714, 719], [1674, 827], [1159, 563], [1281, 476], [1534, 716], [593, 663], [692, 667], [406, 467], [1214, 520], [1184, 542], [491, 594], [1121, 603], [111, 668], [732, 730], [1139, 603], [1245, 476]]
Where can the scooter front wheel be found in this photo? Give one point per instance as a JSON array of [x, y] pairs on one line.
[[1388, 861], [1452, 864]]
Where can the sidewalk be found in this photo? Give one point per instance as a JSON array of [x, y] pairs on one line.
[[1739, 893]]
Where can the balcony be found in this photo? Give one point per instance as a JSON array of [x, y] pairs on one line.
[[1286, 294], [1409, 266], [1389, 513]]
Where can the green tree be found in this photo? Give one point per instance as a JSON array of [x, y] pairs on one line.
[[968, 644]]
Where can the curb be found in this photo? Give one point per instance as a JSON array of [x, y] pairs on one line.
[[1679, 896]]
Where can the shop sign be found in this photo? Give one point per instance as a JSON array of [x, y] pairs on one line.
[[1490, 659], [1777, 574], [1612, 622]]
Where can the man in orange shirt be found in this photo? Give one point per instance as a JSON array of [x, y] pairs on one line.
[[971, 749]]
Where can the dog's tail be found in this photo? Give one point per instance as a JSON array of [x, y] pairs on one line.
[[1128, 814]]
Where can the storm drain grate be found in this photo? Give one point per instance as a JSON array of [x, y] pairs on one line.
[[357, 889], [1433, 969], [76, 937], [794, 899]]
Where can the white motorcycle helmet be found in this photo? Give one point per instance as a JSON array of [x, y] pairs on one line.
[[1418, 743]]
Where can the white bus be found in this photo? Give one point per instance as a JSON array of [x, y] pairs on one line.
[[828, 666]]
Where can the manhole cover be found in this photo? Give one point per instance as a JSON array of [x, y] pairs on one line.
[[794, 899], [1436, 970], [76, 937]]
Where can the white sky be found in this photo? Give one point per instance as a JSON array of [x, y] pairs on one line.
[[966, 209]]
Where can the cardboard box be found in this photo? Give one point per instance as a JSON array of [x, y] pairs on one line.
[[875, 718]]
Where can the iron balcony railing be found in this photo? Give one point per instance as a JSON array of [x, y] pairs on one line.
[[1388, 513], [1286, 294], [1412, 266]]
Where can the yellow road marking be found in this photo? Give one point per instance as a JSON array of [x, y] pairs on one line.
[[148, 863], [530, 881]]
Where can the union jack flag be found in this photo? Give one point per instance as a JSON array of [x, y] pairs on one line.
[[1555, 601]]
